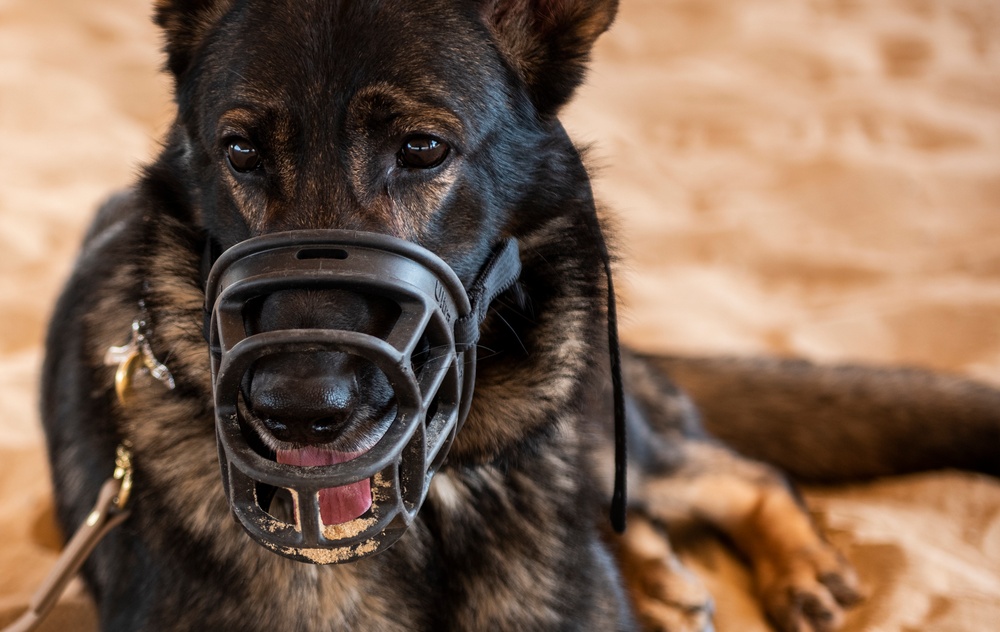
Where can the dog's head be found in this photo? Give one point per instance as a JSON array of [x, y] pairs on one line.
[[427, 121], [422, 119]]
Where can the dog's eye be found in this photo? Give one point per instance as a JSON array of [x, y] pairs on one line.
[[422, 152], [243, 155]]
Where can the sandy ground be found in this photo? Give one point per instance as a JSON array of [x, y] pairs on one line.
[[816, 178]]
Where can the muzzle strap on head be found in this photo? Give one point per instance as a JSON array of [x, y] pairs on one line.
[[498, 275], [619, 498], [209, 255]]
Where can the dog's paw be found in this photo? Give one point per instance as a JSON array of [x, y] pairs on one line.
[[672, 599], [807, 590], [667, 597]]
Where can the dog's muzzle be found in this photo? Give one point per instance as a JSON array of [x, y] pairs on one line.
[[432, 394]]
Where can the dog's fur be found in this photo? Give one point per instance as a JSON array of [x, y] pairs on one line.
[[513, 535]]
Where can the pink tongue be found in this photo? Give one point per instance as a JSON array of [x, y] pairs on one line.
[[336, 504]]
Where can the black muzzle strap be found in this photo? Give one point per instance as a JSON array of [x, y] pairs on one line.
[[619, 498], [209, 255], [499, 274]]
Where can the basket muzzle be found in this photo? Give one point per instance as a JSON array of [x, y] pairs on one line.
[[432, 394]]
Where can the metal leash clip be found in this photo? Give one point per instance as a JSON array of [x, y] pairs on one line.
[[123, 473]]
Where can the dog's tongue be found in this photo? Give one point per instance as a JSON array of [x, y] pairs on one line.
[[336, 504]]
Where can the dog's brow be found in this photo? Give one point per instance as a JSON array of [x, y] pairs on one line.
[[439, 118], [238, 114], [247, 114], [405, 111]]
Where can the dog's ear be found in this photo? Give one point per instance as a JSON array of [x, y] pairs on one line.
[[184, 24], [549, 42]]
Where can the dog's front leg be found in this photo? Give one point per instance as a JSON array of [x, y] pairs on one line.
[[803, 582], [665, 595]]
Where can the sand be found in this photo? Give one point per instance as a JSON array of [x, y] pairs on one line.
[[814, 178]]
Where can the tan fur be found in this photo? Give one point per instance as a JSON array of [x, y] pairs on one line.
[[666, 596], [750, 503]]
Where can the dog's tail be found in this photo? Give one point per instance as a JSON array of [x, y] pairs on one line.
[[835, 423]]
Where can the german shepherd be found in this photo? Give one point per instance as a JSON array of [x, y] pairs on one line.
[[435, 122]]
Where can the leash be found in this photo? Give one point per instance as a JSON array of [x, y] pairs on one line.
[[109, 511]]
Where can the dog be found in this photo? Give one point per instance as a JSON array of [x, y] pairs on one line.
[[432, 123]]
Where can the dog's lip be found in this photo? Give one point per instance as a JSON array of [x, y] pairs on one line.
[[337, 505], [355, 441]]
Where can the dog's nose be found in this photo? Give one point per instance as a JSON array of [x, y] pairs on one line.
[[303, 402]]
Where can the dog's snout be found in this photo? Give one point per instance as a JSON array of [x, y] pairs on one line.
[[312, 398], [304, 400], [322, 309]]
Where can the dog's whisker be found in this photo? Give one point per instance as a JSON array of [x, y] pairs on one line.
[[511, 328]]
